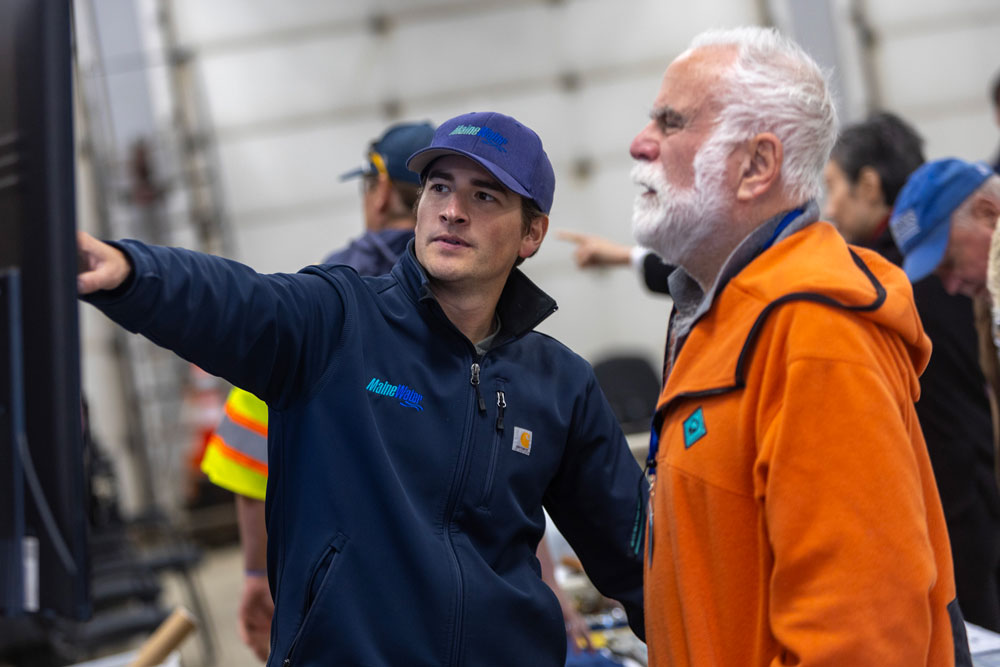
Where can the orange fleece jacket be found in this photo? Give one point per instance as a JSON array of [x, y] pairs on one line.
[[795, 515]]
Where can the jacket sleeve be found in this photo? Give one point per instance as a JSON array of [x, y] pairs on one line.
[[269, 334], [597, 501], [846, 512]]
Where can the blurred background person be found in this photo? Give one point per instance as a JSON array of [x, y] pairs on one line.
[[868, 166], [995, 100], [942, 222]]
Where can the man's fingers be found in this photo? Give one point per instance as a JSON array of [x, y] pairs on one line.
[[571, 236]]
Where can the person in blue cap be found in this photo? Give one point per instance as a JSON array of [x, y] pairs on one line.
[[418, 424], [389, 193], [943, 221]]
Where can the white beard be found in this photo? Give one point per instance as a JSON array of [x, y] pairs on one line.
[[676, 223]]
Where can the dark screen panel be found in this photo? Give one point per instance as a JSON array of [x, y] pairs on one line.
[[11, 384], [36, 86]]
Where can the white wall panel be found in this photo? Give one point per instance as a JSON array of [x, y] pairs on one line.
[[206, 23], [971, 135], [598, 33], [294, 166], [896, 14], [298, 239], [940, 68], [316, 76], [473, 50]]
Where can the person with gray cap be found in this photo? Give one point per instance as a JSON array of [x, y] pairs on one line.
[[418, 423], [235, 457]]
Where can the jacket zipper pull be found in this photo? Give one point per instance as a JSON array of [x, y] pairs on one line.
[[475, 383], [501, 404]]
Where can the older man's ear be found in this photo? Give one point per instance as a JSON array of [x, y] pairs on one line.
[[760, 167]]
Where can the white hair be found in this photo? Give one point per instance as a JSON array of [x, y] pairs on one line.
[[774, 86]]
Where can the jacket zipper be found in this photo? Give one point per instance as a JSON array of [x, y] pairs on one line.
[[501, 404], [474, 380], [456, 644]]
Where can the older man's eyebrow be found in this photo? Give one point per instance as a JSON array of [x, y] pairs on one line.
[[667, 117]]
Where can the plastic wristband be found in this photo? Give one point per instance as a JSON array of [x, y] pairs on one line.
[[255, 573]]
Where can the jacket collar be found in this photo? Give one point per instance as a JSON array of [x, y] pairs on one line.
[[522, 306], [714, 356]]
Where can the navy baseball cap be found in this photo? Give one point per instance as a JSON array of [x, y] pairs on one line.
[[921, 219], [388, 153], [512, 152]]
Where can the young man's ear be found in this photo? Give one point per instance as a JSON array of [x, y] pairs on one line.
[[533, 238], [760, 167]]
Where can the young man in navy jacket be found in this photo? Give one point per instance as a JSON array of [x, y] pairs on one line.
[[418, 423]]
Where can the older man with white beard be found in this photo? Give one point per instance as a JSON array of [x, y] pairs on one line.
[[793, 516]]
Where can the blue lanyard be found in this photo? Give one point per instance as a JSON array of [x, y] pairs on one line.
[[785, 221], [654, 442]]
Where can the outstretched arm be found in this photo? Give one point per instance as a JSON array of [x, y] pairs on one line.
[[596, 251], [273, 335]]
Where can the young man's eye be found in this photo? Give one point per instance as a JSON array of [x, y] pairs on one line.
[[437, 187], [485, 196]]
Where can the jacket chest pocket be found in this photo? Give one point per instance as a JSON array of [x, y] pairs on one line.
[[500, 428]]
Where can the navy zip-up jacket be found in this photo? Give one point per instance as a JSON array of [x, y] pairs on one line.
[[407, 473]]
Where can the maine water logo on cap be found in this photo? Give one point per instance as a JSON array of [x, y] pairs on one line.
[[491, 137]]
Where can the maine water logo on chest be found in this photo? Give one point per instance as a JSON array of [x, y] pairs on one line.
[[407, 396], [522, 440]]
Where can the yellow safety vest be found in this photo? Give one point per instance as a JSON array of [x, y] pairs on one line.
[[236, 455]]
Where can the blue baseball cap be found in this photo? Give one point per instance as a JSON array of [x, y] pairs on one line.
[[388, 153], [512, 152], [921, 219]]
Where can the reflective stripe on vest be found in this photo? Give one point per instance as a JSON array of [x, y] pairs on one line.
[[247, 410], [233, 471], [246, 445]]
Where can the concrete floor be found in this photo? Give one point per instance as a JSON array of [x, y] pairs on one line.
[[220, 579]]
